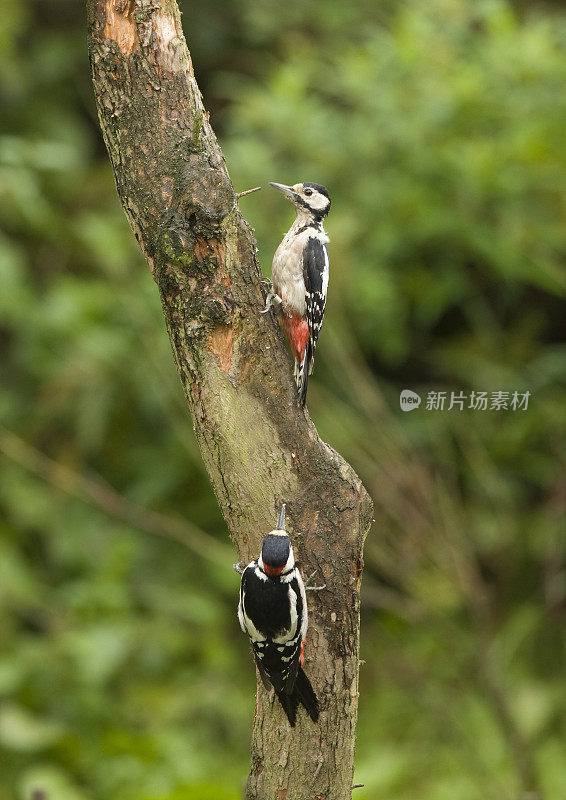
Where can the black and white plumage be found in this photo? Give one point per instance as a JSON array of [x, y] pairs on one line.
[[300, 273], [273, 612]]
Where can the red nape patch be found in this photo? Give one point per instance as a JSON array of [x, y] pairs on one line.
[[302, 656], [273, 572], [297, 331]]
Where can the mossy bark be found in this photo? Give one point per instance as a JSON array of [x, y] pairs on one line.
[[259, 447]]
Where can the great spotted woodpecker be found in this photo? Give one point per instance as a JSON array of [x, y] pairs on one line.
[[299, 276], [273, 612]]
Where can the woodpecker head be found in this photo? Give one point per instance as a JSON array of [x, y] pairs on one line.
[[276, 551], [310, 199]]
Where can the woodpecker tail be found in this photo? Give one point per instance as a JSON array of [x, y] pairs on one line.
[[302, 371], [302, 693], [290, 703], [306, 695]]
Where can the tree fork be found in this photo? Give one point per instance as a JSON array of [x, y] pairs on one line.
[[258, 446]]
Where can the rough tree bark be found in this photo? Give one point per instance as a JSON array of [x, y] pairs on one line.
[[259, 447]]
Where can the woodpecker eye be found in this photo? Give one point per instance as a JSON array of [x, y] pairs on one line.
[[308, 192]]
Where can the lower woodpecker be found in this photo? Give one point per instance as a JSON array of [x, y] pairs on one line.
[[273, 612]]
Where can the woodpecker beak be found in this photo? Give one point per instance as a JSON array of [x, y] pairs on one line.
[[286, 190], [281, 520]]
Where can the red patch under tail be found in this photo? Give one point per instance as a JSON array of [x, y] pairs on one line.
[[297, 331]]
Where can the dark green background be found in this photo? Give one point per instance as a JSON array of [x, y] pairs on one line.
[[439, 128]]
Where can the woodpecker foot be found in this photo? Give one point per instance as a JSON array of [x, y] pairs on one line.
[[272, 299], [313, 588], [238, 568]]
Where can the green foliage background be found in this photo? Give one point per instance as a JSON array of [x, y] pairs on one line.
[[439, 129]]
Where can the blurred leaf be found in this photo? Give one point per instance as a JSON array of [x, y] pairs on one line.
[[52, 781], [22, 731]]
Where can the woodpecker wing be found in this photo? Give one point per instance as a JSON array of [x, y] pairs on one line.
[[246, 623], [263, 674], [257, 637], [315, 274], [279, 649]]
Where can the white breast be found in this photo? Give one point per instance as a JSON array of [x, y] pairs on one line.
[[287, 272]]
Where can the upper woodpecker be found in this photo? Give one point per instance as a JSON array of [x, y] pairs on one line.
[[273, 612], [300, 275]]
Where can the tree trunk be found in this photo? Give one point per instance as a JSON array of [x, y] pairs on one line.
[[259, 447]]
